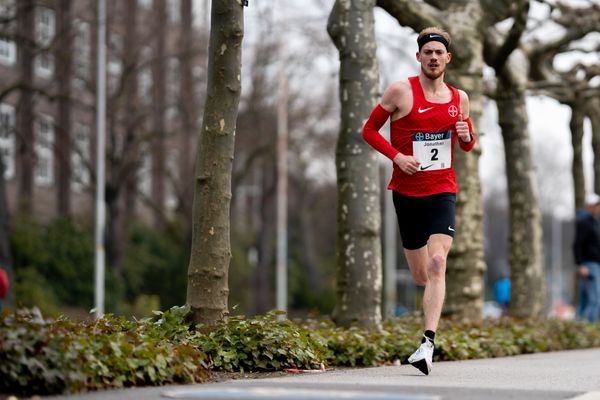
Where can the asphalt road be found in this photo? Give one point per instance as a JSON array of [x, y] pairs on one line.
[[560, 375]]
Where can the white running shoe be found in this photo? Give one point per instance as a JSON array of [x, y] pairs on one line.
[[422, 358]]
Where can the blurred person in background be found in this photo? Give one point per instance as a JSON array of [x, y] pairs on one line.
[[3, 286], [586, 249]]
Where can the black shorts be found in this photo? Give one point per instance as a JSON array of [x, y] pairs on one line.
[[421, 217]]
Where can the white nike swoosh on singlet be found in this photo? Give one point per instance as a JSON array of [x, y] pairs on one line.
[[422, 110]]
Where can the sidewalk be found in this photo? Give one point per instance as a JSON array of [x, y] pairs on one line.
[[544, 376]]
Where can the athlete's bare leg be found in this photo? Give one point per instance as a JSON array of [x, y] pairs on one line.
[[428, 268]]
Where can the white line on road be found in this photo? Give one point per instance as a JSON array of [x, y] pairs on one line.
[[288, 394]]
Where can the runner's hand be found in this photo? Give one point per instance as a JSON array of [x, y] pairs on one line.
[[408, 164], [462, 129], [583, 271]]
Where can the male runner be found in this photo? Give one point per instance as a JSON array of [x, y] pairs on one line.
[[427, 117]]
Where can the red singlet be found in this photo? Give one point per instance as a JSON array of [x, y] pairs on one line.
[[428, 134]]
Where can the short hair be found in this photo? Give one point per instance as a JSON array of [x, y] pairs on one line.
[[435, 30]]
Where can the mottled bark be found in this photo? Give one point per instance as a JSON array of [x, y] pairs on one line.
[[526, 256], [159, 70], [25, 116], [576, 125], [359, 281], [63, 149], [465, 267], [594, 116], [208, 289]]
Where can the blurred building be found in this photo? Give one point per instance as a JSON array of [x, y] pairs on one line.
[[151, 112]]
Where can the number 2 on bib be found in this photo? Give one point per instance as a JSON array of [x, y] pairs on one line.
[[433, 150]]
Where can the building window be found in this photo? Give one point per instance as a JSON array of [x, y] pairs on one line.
[[174, 10], [115, 62], [8, 47], [44, 65], [83, 53], [45, 30], [145, 3], [171, 199], [7, 139], [44, 150], [144, 175], [145, 77], [80, 158]]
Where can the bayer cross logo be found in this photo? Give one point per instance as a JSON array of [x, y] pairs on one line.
[[419, 136], [453, 111]]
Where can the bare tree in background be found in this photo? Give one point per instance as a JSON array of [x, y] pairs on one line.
[[352, 29], [131, 107], [188, 108], [571, 87], [63, 148], [25, 117], [159, 68], [312, 121], [526, 257], [208, 290]]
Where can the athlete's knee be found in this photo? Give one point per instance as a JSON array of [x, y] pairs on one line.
[[436, 267]]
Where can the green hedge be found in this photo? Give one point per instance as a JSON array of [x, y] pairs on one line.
[[47, 357]]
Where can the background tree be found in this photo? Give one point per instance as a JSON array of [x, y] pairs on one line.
[[159, 68], [25, 106], [211, 249], [63, 148], [526, 257], [351, 28], [571, 87], [304, 55]]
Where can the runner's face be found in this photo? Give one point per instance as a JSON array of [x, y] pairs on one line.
[[433, 58]]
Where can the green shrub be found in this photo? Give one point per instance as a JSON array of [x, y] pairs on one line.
[[263, 343], [39, 357]]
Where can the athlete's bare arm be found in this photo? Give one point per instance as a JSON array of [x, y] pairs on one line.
[[397, 99]]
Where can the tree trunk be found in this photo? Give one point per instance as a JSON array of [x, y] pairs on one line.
[[351, 27], [576, 125], [466, 265], [208, 290], [25, 116], [594, 116], [159, 106], [526, 258], [63, 76]]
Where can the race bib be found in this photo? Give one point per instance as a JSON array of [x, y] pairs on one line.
[[433, 150]]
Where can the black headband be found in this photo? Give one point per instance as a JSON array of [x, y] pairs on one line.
[[432, 37]]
